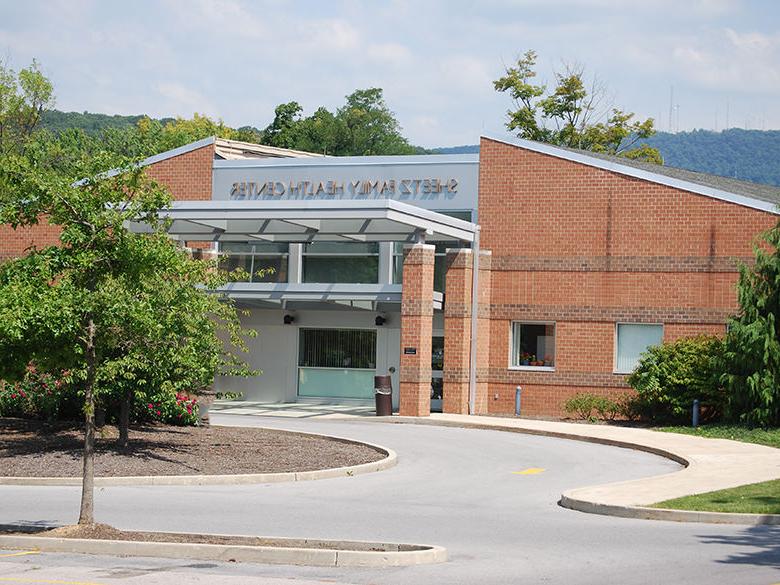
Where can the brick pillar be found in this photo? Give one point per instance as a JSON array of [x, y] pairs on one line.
[[416, 331], [483, 332], [457, 331]]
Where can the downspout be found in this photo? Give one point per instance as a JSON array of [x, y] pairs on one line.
[[474, 307]]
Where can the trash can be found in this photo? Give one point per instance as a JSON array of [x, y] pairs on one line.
[[383, 394]]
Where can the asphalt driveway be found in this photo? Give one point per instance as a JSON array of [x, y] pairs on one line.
[[459, 488]]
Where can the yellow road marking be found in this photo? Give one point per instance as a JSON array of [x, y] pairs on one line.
[[529, 471], [45, 581], [22, 553]]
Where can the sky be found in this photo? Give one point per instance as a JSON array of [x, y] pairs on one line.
[[236, 60]]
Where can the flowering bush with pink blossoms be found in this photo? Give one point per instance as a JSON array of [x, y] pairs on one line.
[[39, 395], [182, 410]]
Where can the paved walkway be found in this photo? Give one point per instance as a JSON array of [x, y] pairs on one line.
[[711, 464], [292, 409]]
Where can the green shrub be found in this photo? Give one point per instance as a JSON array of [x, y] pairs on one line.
[[751, 357], [586, 406], [39, 395], [229, 395], [179, 409], [671, 375]]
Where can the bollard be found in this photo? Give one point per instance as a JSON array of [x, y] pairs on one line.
[[695, 413], [518, 392]]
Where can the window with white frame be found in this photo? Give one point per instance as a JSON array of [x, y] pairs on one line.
[[631, 339], [533, 345]]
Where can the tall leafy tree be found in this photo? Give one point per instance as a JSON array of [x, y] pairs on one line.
[[283, 131], [752, 345], [121, 310], [364, 125], [371, 126], [24, 96], [572, 114]]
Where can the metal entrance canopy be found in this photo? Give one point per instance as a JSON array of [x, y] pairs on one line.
[[301, 221], [311, 221]]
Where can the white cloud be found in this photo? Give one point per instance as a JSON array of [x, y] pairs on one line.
[[327, 35], [732, 61], [184, 101], [393, 54]]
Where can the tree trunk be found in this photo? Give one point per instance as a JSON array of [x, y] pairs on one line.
[[87, 512], [124, 419]]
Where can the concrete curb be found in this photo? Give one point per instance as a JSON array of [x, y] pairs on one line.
[[387, 462], [361, 554], [572, 501], [645, 513]]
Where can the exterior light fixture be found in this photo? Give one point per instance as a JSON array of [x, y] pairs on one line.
[[289, 319], [380, 320]]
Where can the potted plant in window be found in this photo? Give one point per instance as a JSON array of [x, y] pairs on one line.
[[525, 359]]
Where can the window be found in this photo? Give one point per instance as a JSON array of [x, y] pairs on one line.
[[533, 345], [632, 340], [262, 261], [336, 363], [344, 262]]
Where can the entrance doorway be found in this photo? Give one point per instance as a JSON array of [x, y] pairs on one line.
[[336, 363], [437, 373]]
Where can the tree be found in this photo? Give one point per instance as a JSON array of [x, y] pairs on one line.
[[149, 137], [118, 310], [371, 127], [573, 114], [751, 362], [282, 132], [364, 125], [23, 98]]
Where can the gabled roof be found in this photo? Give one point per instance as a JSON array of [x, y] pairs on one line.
[[745, 193]]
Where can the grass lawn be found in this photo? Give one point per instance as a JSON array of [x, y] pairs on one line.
[[756, 498], [770, 437]]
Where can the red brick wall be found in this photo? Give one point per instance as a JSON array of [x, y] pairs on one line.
[[416, 331], [14, 243], [586, 248], [188, 176]]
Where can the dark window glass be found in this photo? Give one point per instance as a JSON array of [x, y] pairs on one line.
[[533, 344], [341, 262], [337, 348]]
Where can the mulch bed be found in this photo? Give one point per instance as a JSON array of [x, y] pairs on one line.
[[38, 449], [106, 532]]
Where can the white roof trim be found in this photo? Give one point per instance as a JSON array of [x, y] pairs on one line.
[[606, 165]]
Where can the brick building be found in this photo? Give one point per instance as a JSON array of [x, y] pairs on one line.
[[462, 276]]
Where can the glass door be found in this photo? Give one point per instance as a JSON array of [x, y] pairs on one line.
[[437, 374]]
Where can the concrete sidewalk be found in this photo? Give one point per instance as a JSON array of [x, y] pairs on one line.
[[292, 409], [710, 465]]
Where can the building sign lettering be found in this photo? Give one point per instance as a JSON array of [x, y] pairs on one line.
[[425, 188]]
